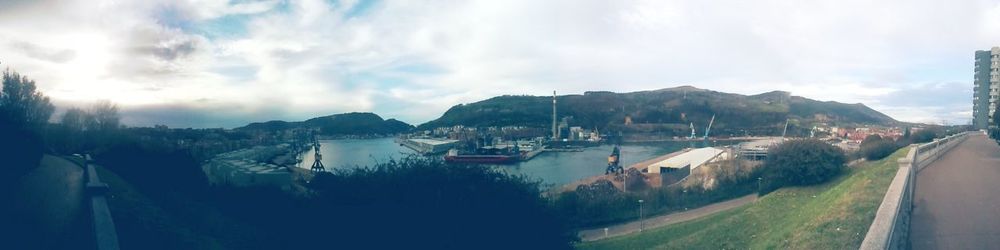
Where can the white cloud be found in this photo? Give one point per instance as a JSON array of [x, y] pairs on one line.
[[415, 59]]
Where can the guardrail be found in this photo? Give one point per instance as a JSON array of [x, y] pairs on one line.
[[890, 229], [106, 237]]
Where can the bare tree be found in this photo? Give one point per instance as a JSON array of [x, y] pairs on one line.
[[105, 116], [74, 119]]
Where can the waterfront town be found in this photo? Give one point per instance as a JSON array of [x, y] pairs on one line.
[[498, 146], [369, 124]]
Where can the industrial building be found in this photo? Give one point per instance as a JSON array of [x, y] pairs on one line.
[[429, 146], [757, 150], [675, 169], [985, 88], [248, 167], [244, 173], [694, 159]]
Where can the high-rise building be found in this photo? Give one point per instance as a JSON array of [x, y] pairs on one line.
[[986, 87]]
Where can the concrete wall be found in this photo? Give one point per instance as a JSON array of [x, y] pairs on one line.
[[105, 235], [673, 175]]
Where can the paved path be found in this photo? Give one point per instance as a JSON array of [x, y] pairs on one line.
[[51, 202], [957, 199], [664, 220]]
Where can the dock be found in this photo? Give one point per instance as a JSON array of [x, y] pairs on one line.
[[533, 153], [638, 166]]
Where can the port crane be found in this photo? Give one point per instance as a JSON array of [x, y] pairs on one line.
[[614, 162], [317, 165], [784, 130], [709, 127], [692, 132]]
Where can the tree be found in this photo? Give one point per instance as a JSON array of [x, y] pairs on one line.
[[75, 119], [105, 116], [801, 162], [23, 112], [22, 104], [994, 129]]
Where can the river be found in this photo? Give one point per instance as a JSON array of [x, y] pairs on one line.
[[552, 168]]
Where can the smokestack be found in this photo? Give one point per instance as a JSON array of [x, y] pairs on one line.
[[555, 130]]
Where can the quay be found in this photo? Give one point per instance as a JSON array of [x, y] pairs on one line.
[[638, 166]]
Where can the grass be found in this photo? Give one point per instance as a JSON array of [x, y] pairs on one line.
[[833, 215], [142, 223]]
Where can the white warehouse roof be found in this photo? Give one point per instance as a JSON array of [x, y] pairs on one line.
[[695, 157]]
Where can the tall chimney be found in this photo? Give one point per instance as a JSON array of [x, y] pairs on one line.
[[555, 130]]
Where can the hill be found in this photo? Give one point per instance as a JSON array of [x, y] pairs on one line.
[[666, 111], [339, 124]]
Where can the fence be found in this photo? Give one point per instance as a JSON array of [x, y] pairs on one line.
[[890, 229]]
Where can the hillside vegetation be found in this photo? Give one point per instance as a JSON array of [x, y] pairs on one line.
[[339, 124], [668, 111], [834, 215]]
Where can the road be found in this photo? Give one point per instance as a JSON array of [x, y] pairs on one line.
[[664, 220], [957, 199]]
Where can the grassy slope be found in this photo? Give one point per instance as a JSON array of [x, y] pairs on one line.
[[834, 215], [143, 224]]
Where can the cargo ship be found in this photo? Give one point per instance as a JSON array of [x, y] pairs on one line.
[[454, 157]]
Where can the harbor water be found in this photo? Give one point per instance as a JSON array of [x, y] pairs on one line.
[[552, 168]]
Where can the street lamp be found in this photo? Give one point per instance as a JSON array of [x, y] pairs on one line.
[[640, 216]]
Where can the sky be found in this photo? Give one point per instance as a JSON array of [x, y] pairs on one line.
[[218, 63]]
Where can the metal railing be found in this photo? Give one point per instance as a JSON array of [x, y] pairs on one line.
[[890, 229]]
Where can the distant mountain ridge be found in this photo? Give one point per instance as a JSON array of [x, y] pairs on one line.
[[339, 124], [664, 111]]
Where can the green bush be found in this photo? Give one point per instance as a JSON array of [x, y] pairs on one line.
[[875, 147], [801, 162], [923, 136], [594, 209], [424, 203]]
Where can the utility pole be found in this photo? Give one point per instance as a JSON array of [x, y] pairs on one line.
[[625, 182]]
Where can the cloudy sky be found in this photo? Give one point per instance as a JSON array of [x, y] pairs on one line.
[[218, 63]]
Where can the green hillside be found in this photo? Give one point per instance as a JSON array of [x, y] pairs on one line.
[[833, 215], [667, 111], [339, 124]]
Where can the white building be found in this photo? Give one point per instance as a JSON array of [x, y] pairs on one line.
[[695, 158], [430, 146]]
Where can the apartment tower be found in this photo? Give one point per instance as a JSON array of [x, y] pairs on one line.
[[985, 88]]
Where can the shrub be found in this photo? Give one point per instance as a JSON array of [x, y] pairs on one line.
[[801, 162], [587, 208], [155, 170], [20, 149], [922, 136], [424, 203], [875, 147]]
